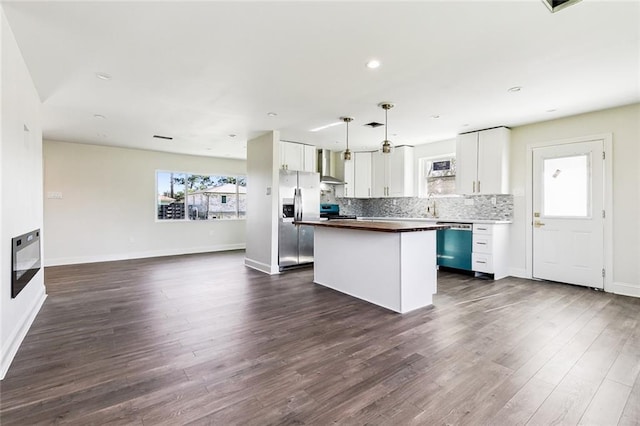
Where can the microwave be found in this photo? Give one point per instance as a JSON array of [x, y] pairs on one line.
[[442, 168]]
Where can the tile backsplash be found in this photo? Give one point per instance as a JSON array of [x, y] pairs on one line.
[[467, 207]]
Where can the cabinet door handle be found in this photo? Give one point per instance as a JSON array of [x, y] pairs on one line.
[[478, 186], [474, 187], [481, 261], [482, 244]]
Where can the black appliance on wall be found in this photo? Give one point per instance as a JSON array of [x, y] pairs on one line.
[[25, 253]]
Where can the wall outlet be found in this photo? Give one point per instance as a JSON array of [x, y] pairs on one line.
[[468, 201], [54, 195], [493, 200], [348, 202], [395, 202]]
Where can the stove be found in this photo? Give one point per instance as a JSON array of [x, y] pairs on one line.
[[332, 211]]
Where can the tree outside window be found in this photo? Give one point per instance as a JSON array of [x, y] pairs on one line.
[[208, 197]]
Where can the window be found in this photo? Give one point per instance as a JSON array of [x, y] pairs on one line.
[[185, 196], [437, 176], [566, 186]]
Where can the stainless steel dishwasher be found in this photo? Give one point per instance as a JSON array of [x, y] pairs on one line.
[[454, 245]]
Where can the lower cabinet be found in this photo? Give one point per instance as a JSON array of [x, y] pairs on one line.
[[490, 249]]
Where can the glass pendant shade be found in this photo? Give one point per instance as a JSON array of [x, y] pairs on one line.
[[347, 152], [386, 143]]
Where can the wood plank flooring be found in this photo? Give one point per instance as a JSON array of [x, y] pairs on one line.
[[200, 339]]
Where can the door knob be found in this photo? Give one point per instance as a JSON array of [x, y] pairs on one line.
[[538, 224]]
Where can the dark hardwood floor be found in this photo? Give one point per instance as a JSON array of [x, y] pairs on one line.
[[201, 339]]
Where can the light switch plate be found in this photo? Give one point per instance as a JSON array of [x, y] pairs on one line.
[[54, 195], [468, 201]]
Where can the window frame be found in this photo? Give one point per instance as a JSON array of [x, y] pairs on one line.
[[186, 218]]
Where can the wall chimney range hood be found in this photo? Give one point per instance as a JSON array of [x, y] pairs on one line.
[[324, 168]]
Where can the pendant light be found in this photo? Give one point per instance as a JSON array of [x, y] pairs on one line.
[[386, 143], [347, 153]]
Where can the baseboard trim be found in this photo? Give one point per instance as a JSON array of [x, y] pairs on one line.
[[518, 273], [140, 255], [10, 351], [626, 289], [261, 266]]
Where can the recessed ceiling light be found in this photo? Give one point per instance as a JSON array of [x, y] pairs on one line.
[[169, 138], [515, 89], [465, 125], [551, 110], [272, 114], [373, 64], [317, 129], [232, 135], [100, 116], [103, 76], [435, 116]]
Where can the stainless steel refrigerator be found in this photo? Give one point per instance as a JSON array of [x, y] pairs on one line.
[[299, 199]]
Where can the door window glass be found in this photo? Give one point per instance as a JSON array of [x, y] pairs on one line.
[[567, 186]]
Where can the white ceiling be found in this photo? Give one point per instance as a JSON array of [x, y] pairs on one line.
[[201, 71]]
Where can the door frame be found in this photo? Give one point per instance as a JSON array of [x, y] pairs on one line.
[[607, 138]]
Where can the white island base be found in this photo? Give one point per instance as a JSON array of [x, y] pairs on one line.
[[395, 270]]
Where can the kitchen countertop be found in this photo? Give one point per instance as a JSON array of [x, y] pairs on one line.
[[371, 225], [437, 219]]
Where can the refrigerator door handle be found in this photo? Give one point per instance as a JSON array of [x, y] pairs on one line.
[[300, 209], [295, 204]]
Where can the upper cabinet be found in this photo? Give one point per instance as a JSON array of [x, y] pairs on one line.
[[392, 173], [296, 156], [345, 170], [482, 160], [310, 158], [362, 175]]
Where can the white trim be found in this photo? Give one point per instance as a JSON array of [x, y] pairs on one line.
[[518, 273], [141, 255], [261, 266], [625, 289], [607, 139], [14, 341]]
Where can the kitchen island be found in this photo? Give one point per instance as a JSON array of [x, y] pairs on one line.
[[390, 264]]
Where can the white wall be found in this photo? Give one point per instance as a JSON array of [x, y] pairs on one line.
[[624, 124], [262, 203], [108, 206], [20, 190]]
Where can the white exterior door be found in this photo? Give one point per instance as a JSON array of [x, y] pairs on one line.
[[568, 210]]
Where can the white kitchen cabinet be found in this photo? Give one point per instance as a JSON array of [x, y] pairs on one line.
[[297, 156], [482, 161], [362, 174], [310, 158], [490, 249], [392, 174], [346, 172]]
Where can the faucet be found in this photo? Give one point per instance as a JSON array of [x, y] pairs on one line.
[[431, 206]]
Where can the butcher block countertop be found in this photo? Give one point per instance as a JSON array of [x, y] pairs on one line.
[[368, 225]]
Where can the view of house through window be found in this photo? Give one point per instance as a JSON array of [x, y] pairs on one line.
[[182, 196]]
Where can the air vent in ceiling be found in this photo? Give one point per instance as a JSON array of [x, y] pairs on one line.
[[169, 138], [556, 5], [374, 124]]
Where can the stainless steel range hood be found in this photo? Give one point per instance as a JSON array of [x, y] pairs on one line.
[[324, 168]]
